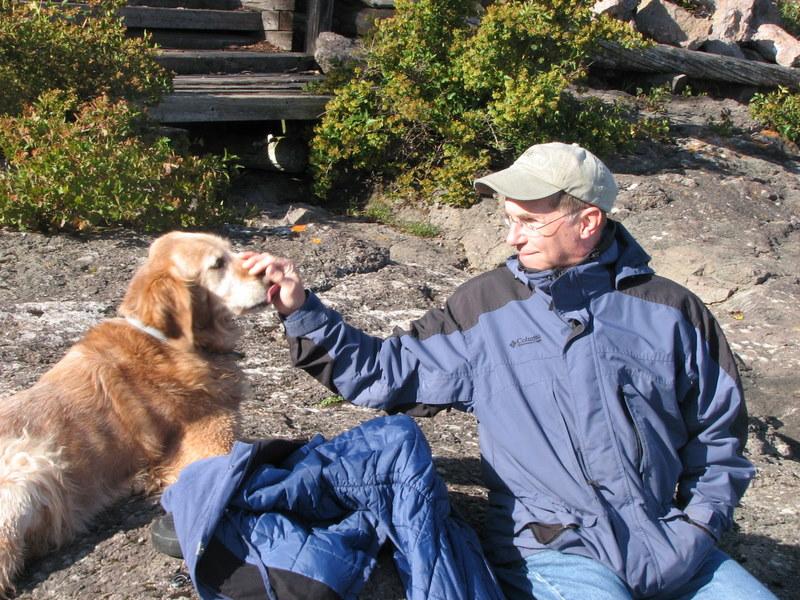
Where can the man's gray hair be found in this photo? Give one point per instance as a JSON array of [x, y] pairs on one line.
[[567, 203]]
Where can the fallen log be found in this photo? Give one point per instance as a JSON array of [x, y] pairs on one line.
[[697, 65]]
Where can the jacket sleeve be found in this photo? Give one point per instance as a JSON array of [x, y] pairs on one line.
[[716, 473], [420, 371]]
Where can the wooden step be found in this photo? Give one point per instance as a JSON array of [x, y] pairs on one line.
[[145, 17], [200, 40], [193, 4], [187, 62], [253, 97], [243, 83]]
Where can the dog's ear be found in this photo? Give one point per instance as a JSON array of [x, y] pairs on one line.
[[159, 299]]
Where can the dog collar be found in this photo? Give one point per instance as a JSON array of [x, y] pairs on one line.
[[146, 328]]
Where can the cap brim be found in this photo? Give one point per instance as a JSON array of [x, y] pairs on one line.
[[516, 184]]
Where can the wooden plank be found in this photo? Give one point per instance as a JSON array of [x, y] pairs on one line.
[[261, 5], [223, 85], [319, 17], [182, 19], [698, 65], [196, 40], [247, 79], [196, 4], [188, 62], [241, 89], [207, 108]]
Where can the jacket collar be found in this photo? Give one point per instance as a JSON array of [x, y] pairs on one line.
[[617, 252]]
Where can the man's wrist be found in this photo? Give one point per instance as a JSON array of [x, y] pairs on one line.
[[296, 304], [703, 528], [705, 517], [310, 316]]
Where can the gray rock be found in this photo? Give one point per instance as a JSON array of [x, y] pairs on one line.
[[722, 48], [334, 50], [776, 45], [623, 10], [737, 20], [668, 23]]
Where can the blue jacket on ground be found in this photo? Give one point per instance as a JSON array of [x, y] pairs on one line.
[[279, 520], [609, 406]]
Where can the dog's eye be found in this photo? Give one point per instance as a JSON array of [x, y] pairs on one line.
[[219, 263]]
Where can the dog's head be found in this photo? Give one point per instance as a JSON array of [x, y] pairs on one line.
[[189, 288]]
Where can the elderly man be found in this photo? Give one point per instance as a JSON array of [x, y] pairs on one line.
[[609, 407]]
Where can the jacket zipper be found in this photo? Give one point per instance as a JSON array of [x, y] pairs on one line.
[[636, 433], [578, 452]]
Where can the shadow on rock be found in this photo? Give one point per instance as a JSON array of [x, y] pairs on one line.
[[123, 518], [769, 561]]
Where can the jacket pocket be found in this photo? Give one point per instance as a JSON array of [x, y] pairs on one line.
[[686, 546], [546, 532], [638, 457], [658, 430], [549, 525]]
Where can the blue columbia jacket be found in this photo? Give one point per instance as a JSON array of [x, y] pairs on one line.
[[609, 407], [280, 520]]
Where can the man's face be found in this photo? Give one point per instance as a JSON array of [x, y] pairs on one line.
[[543, 238]]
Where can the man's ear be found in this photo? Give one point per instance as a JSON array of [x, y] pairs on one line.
[[592, 220]]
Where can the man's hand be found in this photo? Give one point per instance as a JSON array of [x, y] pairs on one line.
[[287, 293]]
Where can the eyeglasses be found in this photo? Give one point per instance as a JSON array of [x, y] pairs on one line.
[[531, 228]]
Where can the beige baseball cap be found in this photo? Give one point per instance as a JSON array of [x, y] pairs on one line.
[[545, 169]]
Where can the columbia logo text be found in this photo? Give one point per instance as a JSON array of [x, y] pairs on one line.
[[524, 341]]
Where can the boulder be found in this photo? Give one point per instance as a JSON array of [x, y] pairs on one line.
[[775, 44], [723, 48], [670, 24], [737, 20], [619, 9], [334, 50]]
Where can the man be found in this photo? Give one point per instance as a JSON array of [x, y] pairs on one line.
[[609, 406]]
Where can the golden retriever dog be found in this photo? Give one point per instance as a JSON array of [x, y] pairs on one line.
[[132, 403]]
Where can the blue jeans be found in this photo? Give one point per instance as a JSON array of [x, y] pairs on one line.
[[551, 575]]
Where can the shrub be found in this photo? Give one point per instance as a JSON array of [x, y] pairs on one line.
[[790, 15], [50, 46], [71, 166], [779, 110], [331, 401], [384, 213], [443, 96]]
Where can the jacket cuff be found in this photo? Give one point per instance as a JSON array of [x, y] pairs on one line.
[[706, 518], [310, 316]]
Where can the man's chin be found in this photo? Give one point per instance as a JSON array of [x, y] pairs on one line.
[[531, 261]]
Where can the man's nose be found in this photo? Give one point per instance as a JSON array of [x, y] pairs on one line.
[[514, 235]]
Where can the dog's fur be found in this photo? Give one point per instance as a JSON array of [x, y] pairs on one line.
[[124, 406]]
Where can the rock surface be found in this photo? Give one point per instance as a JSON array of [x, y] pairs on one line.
[[720, 214], [334, 50], [776, 45], [668, 23]]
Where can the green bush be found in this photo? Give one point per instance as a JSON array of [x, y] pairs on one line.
[[779, 110], [74, 152], [385, 213], [443, 96], [790, 15], [50, 46], [74, 167]]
